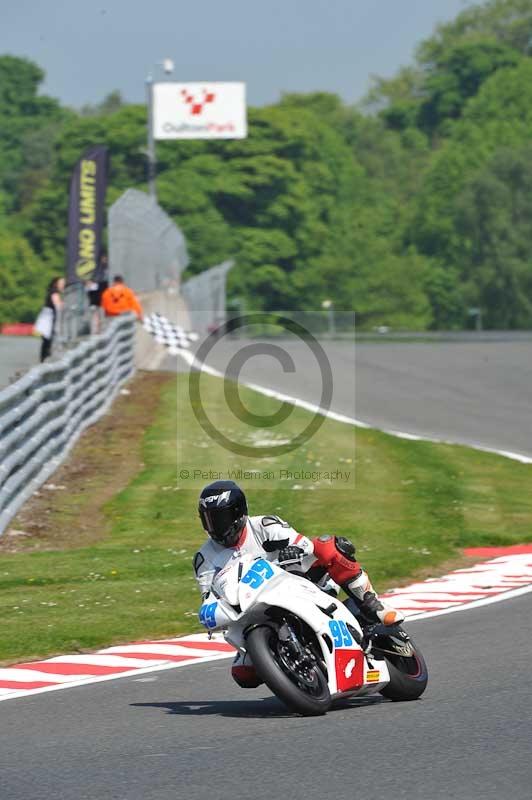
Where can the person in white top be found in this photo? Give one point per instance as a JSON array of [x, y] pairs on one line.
[[224, 515]]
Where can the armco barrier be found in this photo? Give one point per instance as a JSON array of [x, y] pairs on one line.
[[43, 414]]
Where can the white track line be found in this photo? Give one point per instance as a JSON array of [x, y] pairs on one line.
[[107, 659], [192, 361], [102, 660], [117, 655], [485, 601], [34, 675], [158, 649], [102, 678]]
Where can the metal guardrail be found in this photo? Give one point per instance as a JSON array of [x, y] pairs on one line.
[[43, 414]]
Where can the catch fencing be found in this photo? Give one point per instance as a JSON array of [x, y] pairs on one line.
[[149, 250], [44, 413], [205, 297], [145, 245]]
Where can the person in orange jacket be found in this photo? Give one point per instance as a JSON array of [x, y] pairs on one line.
[[119, 298]]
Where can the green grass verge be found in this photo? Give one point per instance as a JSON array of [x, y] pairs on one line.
[[411, 508]]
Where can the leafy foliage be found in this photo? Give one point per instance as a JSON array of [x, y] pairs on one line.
[[458, 75], [22, 278], [28, 125], [407, 214], [507, 21], [494, 213]]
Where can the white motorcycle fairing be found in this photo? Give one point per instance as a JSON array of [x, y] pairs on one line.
[[248, 587]]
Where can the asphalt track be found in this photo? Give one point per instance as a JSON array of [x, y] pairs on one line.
[[472, 392], [17, 354], [192, 734]]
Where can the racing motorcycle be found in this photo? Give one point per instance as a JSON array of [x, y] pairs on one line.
[[308, 647]]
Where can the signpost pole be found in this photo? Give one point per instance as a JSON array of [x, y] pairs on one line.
[[328, 305], [477, 313], [152, 157]]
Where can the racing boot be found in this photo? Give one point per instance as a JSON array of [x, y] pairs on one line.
[[337, 556], [243, 672], [373, 609]]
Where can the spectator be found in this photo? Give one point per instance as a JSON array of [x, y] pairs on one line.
[[45, 323], [119, 298], [95, 288]]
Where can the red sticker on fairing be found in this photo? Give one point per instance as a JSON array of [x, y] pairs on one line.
[[349, 665]]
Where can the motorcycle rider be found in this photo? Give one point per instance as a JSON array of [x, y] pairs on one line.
[[224, 515]]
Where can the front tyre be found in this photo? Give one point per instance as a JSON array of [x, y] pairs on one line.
[[305, 693], [408, 674]]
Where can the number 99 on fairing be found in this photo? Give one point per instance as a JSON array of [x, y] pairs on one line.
[[340, 633], [207, 615]]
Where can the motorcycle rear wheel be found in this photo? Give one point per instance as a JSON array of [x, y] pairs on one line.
[[262, 645]]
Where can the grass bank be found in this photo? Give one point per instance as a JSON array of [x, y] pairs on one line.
[[410, 509]]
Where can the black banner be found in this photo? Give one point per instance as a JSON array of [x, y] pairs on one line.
[[86, 215]]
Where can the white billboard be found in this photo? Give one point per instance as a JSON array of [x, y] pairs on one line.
[[199, 110]]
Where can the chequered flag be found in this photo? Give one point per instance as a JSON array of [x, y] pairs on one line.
[[173, 337]]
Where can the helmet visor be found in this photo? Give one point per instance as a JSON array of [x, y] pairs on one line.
[[218, 522]]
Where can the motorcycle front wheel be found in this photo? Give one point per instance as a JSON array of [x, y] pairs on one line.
[[307, 694], [408, 674]]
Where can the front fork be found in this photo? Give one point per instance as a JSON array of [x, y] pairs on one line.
[[397, 641]]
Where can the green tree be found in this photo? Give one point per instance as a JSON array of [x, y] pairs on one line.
[[29, 124], [452, 64], [493, 217], [400, 214], [112, 102], [19, 81], [501, 114], [457, 75], [446, 297], [23, 278], [507, 21], [267, 200]]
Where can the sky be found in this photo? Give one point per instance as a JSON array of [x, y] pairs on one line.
[[91, 47]]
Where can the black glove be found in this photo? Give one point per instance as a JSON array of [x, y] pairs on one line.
[[290, 555]]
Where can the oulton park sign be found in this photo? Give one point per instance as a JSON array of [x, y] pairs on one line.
[[199, 110]]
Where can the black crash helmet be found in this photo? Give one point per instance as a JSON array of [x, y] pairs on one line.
[[224, 511]]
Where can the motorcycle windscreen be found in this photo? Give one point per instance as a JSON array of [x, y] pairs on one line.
[[267, 583], [258, 576]]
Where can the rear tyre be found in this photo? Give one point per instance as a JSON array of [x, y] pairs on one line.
[[408, 675], [309, 696]]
